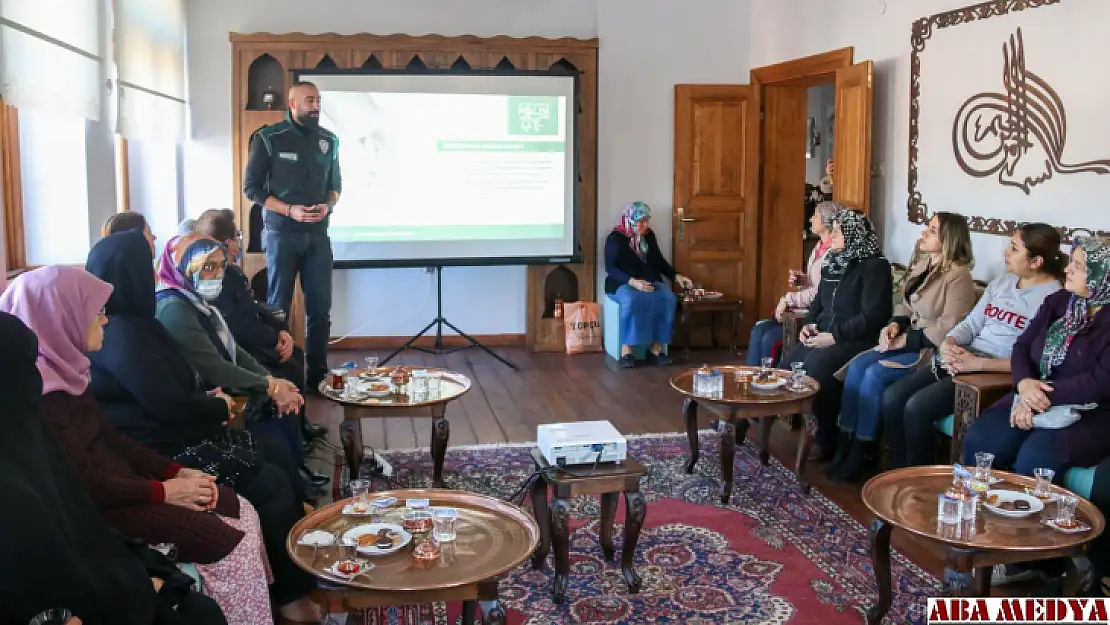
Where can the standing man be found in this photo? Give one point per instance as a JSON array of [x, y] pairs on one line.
[[293, 173]]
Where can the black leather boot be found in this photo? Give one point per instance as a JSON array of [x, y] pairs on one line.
[[843, 445], [854, 465]]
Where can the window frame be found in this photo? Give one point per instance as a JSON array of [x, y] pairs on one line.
[[11, 201]]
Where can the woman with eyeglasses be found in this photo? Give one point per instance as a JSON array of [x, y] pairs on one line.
[[982, 342], [190, 277], [136, 490]]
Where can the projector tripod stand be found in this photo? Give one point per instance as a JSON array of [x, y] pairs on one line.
[[438, 348]]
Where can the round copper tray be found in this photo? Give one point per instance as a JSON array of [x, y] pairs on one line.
[[452, 385], [907, 498], [493, 537], [733, 393]]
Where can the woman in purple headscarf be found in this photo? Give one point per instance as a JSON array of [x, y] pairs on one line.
[[635, 268], [137, 491]]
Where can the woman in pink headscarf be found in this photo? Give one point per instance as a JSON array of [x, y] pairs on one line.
[[136, 490]]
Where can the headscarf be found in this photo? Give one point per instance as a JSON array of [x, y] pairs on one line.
[[179, 269], [56, 549], [632, 214], [58, 302], [860, 243], [123, 260], [1078, 316]]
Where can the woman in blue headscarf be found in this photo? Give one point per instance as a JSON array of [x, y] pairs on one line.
[[635, 268]]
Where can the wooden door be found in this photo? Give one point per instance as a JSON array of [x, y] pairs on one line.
[[852, 149], [716, 170], [782, 206]]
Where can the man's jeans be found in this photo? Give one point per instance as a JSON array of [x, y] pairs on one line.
[[308, 254]]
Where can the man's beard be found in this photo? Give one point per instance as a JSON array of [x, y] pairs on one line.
[[309, 120]]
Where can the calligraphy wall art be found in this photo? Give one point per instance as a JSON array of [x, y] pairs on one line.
[[1008, 116]]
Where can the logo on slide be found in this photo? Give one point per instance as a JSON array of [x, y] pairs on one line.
[[534, 115]]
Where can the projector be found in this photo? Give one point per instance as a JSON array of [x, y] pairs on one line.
[[567, 444]]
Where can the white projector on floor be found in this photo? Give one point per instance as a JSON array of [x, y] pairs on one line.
[[584, 442]]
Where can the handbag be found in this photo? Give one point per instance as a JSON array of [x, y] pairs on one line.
[[233, 457], [1057, 417]]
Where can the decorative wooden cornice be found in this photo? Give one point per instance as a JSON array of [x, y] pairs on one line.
[[412, 42]]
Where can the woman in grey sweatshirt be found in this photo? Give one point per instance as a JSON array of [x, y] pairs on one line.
[[980, 343]]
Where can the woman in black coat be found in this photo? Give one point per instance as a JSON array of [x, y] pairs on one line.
[[854, 302], [57, 552]]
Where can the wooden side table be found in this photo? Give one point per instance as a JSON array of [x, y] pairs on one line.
[[607, 480], [688, 310]]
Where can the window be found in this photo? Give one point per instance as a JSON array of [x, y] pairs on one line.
[[150, 60], [55, 188], [153, 188]]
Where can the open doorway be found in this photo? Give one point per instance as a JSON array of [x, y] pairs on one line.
[[820, 133], [815, 141]]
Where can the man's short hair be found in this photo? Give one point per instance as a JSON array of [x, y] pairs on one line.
[[303, 83], [217, 223]]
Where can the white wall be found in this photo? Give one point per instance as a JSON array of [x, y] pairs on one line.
[[646, 47], [879, 30]]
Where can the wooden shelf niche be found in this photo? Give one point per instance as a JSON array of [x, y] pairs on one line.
[[262, 65]]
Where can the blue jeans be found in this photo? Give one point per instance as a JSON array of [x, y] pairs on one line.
[[764, 335], [861, 407], [307, 254], [646, 318], [1024, 450]]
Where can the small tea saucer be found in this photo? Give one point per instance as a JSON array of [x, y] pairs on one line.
[[1079, 528]]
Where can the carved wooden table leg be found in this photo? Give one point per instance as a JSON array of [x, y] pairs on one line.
[[560, 539], [728, 456], [635, 509], [543, 519], [608, 516], [493, 613], [350, 435], [1079, 576], [441, 432], [957, 572], [879, 536], [469, 612], [981, 582], [765, 425], [805, 442], [741, 430], [690, 412]]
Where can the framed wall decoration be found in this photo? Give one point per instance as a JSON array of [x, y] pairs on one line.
[[1005, 127]]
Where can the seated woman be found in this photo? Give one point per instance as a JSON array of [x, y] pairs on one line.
[[853, 303], [1061, 369], [152, 394], [635, 268], [982, 342], [57, 551], [768, 332], [938, 292], [137, 491], [190, 275], [129, 220], [255, 328]]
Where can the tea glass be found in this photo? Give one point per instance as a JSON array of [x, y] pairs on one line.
[[983, 462], [445, 521], [798, 375], [948, 510], [360, 490], [766, 365], [1065, 511], [1044, 483], [372, 364]]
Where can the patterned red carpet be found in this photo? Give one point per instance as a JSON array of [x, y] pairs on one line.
[[772, 556]]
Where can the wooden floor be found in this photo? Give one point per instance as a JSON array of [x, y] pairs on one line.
[[505, 406]]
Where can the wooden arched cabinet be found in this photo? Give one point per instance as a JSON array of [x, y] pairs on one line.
[[261, 71]]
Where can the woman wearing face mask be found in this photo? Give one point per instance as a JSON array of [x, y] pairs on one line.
[[937, 294], [136, 490], [257, 330], [148, 390], [190, 276]]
